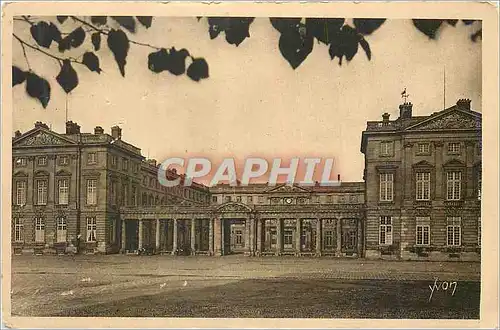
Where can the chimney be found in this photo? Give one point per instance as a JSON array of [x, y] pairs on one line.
[[405, 110], [72, 128], [152, 162], [116, 132], [40, 124], [17, 134], [385, 118], [463, 104], [98, 130]]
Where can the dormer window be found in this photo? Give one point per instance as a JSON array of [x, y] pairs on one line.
[[42, 161], [63, 160], [454, 148]]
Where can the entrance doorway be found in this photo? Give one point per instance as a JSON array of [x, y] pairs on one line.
[[131, 235], [234, 236], [349, 235]]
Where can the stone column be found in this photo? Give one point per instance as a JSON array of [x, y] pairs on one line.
[[140, 233], [318, 237], [248, 243], [252, 235], [222, 237], [193, 236], [279, 239], [468, 176], [124, 237], [298, 234], [157, 237], [339, 237], [438, 191], [359, 238], [259, 236], [217, 237], [407, 174], [174, 243], [211, 237]]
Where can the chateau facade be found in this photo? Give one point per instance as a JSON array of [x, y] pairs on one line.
[[420, 198]]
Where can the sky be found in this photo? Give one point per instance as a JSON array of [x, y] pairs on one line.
[[254, 104]]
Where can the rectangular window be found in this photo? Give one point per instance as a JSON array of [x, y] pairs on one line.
[[91, 229], [125, 195], [423, 187], [239, 237], [91, 191], [454, 148], [238, 199], [214, 199], [39, 230], [113, 193], [112, 231], [41, 192], [453, 185], [424, 148], [453, 231], [228, 199], [125, 164], [386, 187], [63, 190], [423, 233], [288, 237], [386, 148], [134, 196], [21, 193], [114, 161], [328, 238], [249, 200], [63, 160], [91, 158], [42, 161], [385, 236], [261, 200], [18, 230], [21, 161], [61, 230]]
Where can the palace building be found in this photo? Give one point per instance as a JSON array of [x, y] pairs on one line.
[[420, 198]]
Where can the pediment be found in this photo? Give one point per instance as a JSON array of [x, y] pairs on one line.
[[41, 137], [63, 173], [422, 164], [454, 163], [20, 174], [287, 189], [234, 207], [42, 173], [454, 119]]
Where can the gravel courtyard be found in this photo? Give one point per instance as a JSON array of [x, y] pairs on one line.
[[237, 286]]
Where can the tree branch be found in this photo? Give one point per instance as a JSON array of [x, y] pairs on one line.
[[102, 31], [59, 59]]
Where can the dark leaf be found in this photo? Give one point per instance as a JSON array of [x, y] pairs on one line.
[[62, 19], [238, 30], [54, 32], [295, 47], [428, 27], [157, 61], [67, 77], [91, 61], [18, 76], [98, 20], [171, 60], [366, 47], [73, 40], [38, 88], [217, 25], [145, 21], [345, 44], [119, 45], [198, 69], [285, 24], [477, 34], [367, 25], [452, 22], [324, 28], [127, 22], [42, 33], [96, 40], [468, 21]]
